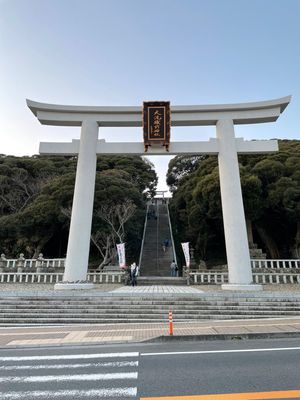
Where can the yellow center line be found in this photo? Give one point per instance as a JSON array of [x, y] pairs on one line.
[[288, 394]]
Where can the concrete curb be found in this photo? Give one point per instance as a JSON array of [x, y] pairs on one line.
[[221, 336]]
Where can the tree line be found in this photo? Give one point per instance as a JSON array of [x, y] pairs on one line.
[[36, 198], [271, 196]]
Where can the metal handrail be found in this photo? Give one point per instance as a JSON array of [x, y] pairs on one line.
[[144, 232], [171, 232]]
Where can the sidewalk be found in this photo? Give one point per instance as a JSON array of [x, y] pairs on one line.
[[118, 333]]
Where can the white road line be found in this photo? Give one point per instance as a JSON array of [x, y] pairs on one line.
[[119, 364], [79, 377], [171, 353], [70, 356], [98, 394]]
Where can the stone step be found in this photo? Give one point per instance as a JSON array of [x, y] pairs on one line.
[[131, 300], [128, 300], [138, 309], [195, 295], [151, 314], [123, 309], [145, 308], [42, 321], [142, 308], [149, 280], [116, 317]]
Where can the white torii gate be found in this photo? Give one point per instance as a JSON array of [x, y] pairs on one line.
[[226, 146]]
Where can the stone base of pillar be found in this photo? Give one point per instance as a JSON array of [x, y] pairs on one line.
[[73, 286], [241, 287]]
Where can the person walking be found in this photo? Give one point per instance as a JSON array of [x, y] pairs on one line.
[[134, 271], [173, 267]]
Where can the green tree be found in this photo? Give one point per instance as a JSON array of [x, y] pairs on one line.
[[35, 191], [270, 186], [181, 166]]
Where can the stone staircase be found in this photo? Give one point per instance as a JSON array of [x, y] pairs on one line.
[[85, 309], [155, 261], [161, 280]]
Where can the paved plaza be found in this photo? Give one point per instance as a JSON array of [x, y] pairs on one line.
[[36, 288], [158, 289]]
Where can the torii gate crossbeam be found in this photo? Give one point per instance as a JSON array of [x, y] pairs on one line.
[[224, 117]]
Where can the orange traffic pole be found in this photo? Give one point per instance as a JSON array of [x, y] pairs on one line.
[[170, 323]]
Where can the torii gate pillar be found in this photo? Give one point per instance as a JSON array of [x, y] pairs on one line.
[[82, 209], [236, 241], [226, 146]]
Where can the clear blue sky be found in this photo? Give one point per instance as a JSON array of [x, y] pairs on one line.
[[122, 52]]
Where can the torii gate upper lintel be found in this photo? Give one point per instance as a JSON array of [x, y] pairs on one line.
[[226, 146], [123, 116]]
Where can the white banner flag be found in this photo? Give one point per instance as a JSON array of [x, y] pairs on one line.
[[121, 254], [185, 248]]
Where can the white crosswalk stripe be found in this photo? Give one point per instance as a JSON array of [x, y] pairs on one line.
[[114, 378], [70, 356], [59, 378], [98, 394], [70, 366]]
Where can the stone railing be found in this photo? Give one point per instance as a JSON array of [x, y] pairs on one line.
[[216, 278], [195, 277], [257, 265], [41, 270], [38, 264], [47, 263], [54, 277], [206, 278], [278, 277], [275, 264]]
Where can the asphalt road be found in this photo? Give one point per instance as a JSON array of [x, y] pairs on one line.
[[152, 370]]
